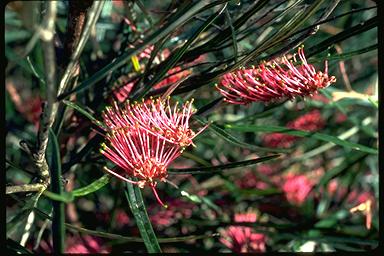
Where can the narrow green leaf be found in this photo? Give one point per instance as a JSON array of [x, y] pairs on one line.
[[218, 168], [231, 139], [344, 56], [299, 133], [209, 107], [64, 197], [233, 33], [339, 169], [174, 22], [93, 187], [347, 33], [179, 53], [84, 112], [136, 203], [58, 228], [200, 200], [125, 238]]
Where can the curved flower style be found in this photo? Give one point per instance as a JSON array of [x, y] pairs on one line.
[[157, 118], [274, 81]]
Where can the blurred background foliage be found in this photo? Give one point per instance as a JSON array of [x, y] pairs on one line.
[[147, 48]]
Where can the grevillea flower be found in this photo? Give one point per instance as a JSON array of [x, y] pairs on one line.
[[144, 138], [297, 188], [242, 239], [273, 81], [310, 122], [156, 117]]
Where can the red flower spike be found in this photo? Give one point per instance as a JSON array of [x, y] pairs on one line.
[[274, 81]]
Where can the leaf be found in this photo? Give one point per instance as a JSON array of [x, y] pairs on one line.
[[175, 21], [93, 187], [58, 228], [209, 107], [344, 166], [344, 56], [64, 197], [201, 200], [136, 203], [228, 137], [84, 112], [125, 238], [233, 33], [170, 62], [300, 133], [218, 168], [355, 30]]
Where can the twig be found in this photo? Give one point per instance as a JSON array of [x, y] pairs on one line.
[[93, 15], [343, 71], [24, 188]]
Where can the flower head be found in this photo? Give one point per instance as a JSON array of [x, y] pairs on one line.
[[273, 81], [297, 188], [243, 239], [157, 117], [144, 138]]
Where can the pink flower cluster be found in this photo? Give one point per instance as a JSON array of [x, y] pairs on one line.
[[310, 122], [297, 188], [177, 209], [144, 138], [242, 239], [273, 81]]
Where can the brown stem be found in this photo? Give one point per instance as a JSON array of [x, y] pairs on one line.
[[75, 23]]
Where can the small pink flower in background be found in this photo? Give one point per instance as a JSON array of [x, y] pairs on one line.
[[174, 75], [278, 140], [84, 245], [297, 188], [122, 218], [250, 179], [242, 239], [75, 244], [177, 209], [320, 97], [310, 122], [122, 93], [340, 118], [273, 81]]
